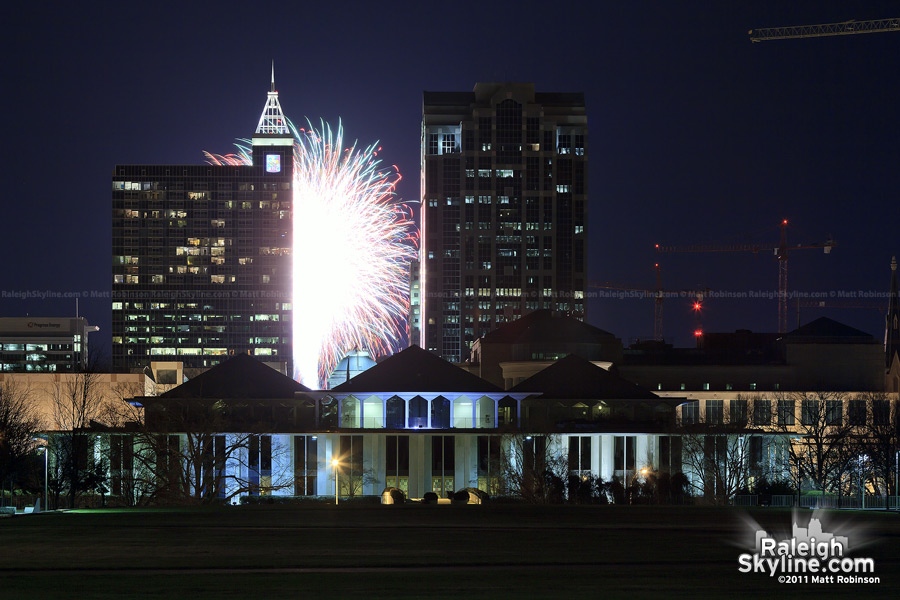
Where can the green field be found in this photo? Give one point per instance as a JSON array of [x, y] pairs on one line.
[[415, 551]]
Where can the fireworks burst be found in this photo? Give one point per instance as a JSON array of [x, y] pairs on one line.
[[351, 247]]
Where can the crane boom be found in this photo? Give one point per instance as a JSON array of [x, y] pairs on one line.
[[781, 253], [658, 294], [827, 29]]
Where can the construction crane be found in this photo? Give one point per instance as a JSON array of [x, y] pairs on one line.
[[781, 255], [658, 295], [827, 29]]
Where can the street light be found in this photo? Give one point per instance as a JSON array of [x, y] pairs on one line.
[[46, 452], [335, 463], [643, 472]]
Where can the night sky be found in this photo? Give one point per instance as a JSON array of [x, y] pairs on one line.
[[695, 134]]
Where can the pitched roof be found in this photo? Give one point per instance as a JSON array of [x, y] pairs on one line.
[[240, 377], [542, 326], [573, 377], [416, 370], [823, 327]]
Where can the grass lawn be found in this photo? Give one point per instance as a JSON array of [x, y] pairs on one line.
[[415, 551]]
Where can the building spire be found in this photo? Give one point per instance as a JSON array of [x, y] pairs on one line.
[[272, 120], [892, 319]]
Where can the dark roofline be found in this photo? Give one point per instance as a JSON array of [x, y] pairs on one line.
[[416, 370]]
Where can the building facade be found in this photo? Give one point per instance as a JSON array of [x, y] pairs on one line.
[[201, 256], [44, 344], [420, 424], [413, 422], [504, 210]]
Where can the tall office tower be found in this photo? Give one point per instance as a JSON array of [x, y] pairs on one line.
[[504, 192], [202, 256]]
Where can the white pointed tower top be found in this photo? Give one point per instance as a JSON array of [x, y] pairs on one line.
[[272, 120]]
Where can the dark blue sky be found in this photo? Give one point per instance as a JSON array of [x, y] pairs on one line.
[[696, 135]]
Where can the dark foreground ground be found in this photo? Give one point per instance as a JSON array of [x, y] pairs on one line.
[[417, 551]]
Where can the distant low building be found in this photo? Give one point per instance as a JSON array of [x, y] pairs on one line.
[[821, 355], [44, 344], [518, 350]]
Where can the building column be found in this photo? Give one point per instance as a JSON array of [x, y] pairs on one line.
[[428, 411], [362, 411], [406, 413], [518, 412], [452, 402], [475, 413], [383, 413], [317, 401], [496, 411]]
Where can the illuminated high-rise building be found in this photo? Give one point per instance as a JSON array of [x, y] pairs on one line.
[[504, 210], [202, 256]]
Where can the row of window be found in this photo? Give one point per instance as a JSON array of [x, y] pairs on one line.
[[11, 367], [198, 186], [36, 347], [192, 305], [812, 411]]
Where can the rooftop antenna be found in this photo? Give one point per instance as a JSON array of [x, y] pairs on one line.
[[272, 120]]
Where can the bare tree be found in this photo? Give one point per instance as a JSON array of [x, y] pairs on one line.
[[535, 468], [187, 452], [821, 438], [78, 403], [18, 425], [353, 484], [718, 451], [877, 428]]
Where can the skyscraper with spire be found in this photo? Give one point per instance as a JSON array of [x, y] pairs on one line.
[[202, 256]]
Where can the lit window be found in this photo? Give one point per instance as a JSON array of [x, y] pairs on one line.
[[448, 143]]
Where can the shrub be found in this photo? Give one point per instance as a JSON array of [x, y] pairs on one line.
[[617, 490], [779, 486], [681, 488], [461, 497]]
